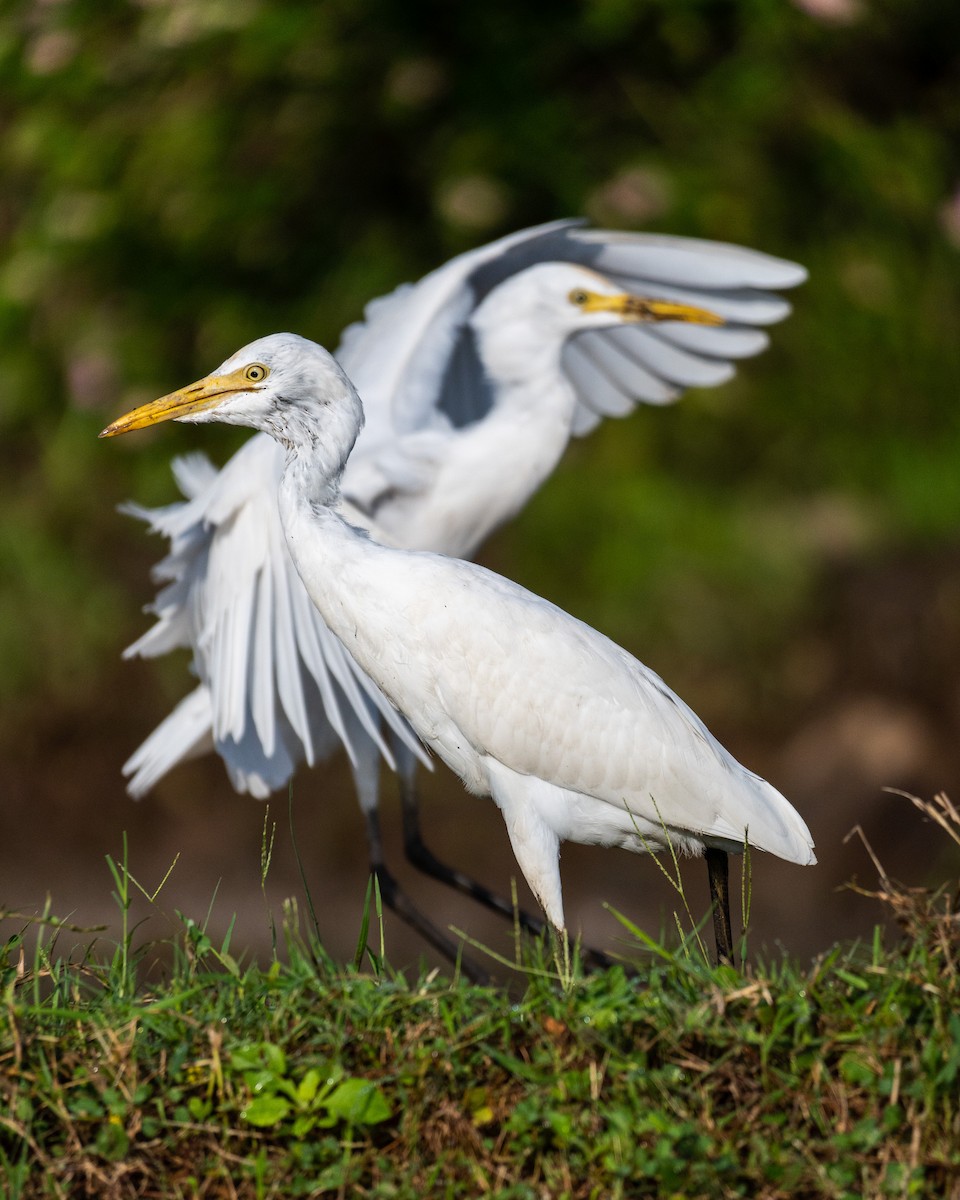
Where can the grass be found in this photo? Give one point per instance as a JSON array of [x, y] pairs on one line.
[[308, 1078]]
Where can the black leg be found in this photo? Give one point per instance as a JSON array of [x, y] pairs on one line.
[[423, 858], [396, 899], [719, 872]]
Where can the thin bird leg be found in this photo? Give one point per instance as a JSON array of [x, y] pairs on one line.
[[397, 900], [719, 872], [423, 858]]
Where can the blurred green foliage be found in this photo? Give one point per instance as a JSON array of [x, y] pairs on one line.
[[180, 176]]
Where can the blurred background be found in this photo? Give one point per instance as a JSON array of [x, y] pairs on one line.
[[178, 177]]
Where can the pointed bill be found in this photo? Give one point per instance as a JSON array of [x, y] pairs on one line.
[[639, 308], [196, 397]]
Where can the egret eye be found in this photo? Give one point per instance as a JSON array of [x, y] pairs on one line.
[[256, 373], [578, 296]]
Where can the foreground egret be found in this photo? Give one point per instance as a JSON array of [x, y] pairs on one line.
[[473, 381], [572, 737]]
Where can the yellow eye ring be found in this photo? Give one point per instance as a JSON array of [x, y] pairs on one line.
[[578, 296], [256, 373]]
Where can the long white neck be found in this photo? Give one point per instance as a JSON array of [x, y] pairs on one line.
[[318, 437], [314, 472], [321, 543], [361, 589], [513, 353], [496, 465], [503, 459], [488, 470]]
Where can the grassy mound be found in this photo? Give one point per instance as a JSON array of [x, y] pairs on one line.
[[310, 1079]]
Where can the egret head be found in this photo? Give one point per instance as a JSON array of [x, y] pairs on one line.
[[569, 298], [283, 385]]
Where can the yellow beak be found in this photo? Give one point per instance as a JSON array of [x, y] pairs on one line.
[[206, 393], [637, 308]]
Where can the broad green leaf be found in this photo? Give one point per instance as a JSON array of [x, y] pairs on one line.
[[358, 1102], [308, 1087], [266, 1111]]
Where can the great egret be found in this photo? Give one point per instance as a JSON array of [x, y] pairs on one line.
[[572, 737], [473, 381]]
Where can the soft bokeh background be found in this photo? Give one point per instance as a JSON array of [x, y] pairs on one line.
[[179, 176]]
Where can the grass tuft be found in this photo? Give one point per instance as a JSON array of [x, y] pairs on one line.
[[306, 1078]]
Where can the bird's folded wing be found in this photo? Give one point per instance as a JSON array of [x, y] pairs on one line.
[[277, 687], [549, 697]]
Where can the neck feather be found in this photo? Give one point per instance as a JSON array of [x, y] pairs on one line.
[[511, 356], [318, 436]]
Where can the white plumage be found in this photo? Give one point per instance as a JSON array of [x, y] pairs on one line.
[[473, 381], [573, 738]]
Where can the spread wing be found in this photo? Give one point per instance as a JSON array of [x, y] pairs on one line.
[[415, 361], [276, 686]]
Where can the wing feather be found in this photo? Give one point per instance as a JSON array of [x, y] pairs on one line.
[[595, 389], [640, 344], [262, 703], [184, 734], [584, 421], [726, 341], [687, 262], [627, 372], [274, 680]]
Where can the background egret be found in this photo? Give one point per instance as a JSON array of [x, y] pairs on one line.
[[572, 737], [473, 382]]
